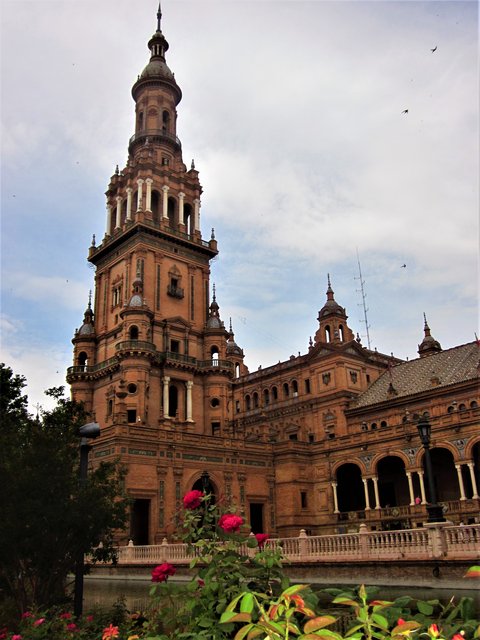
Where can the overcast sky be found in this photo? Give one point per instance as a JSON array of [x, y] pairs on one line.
[[292, 111]]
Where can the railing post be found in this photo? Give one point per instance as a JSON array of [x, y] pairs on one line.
[[437, 543], [363, 540], [303, 544], [130, 551], [164, 550]]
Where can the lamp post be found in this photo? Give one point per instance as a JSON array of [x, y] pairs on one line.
[[87, 432], [434, 510]]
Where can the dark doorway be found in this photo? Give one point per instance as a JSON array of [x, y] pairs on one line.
[[172, 401], [205, 484], [140, 520], [256, 517], [351, 495]]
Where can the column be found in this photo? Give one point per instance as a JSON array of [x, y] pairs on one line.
[[365, 489], [375, 488], [458, 467], [139, 194], [165, 190], [189, 385], [335, 498], [148, 197], [109, 220], [166, 380], [196, 214], [410, 487], [472, 478], [181, 197], [422, 487], [129, 203], [119, 212]]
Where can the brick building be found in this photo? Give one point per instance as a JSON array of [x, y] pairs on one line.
[[320, 442]]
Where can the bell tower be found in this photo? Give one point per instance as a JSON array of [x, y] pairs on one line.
[[151, 362]]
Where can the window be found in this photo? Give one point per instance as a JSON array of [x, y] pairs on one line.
[[373, 426], [132, 388], [255, 400], [133, 332], [237, 406], [275, 393], [383, 424], [303, 499], [286, 390], [327, 334], [266, 397], [82, 359], [174, 346], [215, 428], [214, 402], [131, 415], [307, 385], [247, 403], [295, 388], [311, 437], [293, 436]]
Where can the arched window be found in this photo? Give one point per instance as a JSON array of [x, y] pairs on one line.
[[165, 122], [328, 336], [286, 390], [340, 332], [248, 405], [255, 400], [156, 200], [237, 370], [133, 332], [214, 355], [172, 401], [172, 212], [295, 388], [140, 121], [82, 359], [188, 218], [266, 397], [275, 393]]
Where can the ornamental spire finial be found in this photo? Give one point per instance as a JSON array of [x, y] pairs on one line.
[[159, 17]]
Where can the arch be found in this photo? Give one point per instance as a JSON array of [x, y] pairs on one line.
[[328, 335], [82, 359], [295, 387], [266, 397], [140, 121], [172, 401], [237, 370], [152, 118], [214, 353], [156, 206], [275, 393], [166, 121], [133, 332], [255, 400], [286, 390], [340, 332], [188, 218], [445, 477], [172, 212], [392, 482], [350, 492], [123, 215], [248, 405]]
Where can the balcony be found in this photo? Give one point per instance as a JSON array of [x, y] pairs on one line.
[[136, 346], [175, 292], [214, 364], [155, 135]]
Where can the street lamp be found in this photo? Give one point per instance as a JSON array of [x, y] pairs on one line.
[[87, 432], [434, 510]]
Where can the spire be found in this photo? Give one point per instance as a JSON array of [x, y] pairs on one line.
[[159, 18], [428, 345], [333, 320], [87, 328], [214, 321]]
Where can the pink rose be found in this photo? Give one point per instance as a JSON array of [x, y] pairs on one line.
[[261, 539], [193, 499], [65, 616], [230, 523], [71, 626], [38, 622], [27, 614], [162, 571], [16, 636]]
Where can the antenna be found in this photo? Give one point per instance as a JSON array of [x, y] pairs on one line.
[[363, 303]]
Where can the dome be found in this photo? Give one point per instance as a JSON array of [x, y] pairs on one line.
[[157, 68], [136, 301], [214, 323], [86, 329]]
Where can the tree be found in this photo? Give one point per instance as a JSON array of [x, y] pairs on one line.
[[48, 517]]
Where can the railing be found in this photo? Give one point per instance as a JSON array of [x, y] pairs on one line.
[[92, 368], [435, 542], [180, 357], [155, 133], [135, 345], [215, 364]]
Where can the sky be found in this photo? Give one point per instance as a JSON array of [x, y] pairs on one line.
[[294, 112]]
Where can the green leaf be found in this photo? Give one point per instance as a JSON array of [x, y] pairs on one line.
[[425, 608], [231, 616], [243, 632], [381, 621], [246, 605], [405, 628], [344, 600], [318, 623], [295, 589]]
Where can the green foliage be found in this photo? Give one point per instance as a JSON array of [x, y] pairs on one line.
[[48, 517]]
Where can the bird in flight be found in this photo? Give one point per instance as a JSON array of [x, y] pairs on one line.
[[405, 111], [433, 50], [404, 266]]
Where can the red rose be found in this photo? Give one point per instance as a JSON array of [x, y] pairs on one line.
[[65, 616], [230, 523], [162, 571], [193, 499], [71, 626], [261, 539]]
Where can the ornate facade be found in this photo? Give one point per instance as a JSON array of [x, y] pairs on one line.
[[320, 442]]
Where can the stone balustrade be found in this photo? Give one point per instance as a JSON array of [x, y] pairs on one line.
[[436, 541]]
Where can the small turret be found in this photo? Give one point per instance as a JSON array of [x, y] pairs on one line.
[[333, 321], [428, 345]]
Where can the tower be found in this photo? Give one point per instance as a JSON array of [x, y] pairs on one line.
[[151, 362]]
